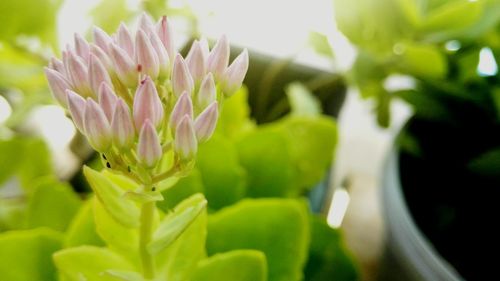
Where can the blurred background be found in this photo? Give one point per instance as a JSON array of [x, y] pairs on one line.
[[372, 64]]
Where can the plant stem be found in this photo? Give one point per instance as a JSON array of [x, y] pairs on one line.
[[145, 236]]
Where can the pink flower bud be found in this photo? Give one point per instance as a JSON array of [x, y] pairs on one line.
[[107, 100], [235, 73], [76, 106], [145, 56], [96, 125], [147, 104], [181, 78], [101, 38], [124, 66], [82, 47], [149, 149], [185, 144], [124, 39], [183, 107], [146, 24], [207, 93], [102, 56], [204, 47], [164, 31], [196, 62], [218, 58], [205, 123], [122, 128], [97, 74], [163, 58], [57, 65], [58, 85], [78, 75]]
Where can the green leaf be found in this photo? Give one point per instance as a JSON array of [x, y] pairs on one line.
[[111, 195], [25, 255], [422, 60], [444, 22], [12, 213], [117, 237], [30, 18], [89, 262], [124, 275], [320, 44], [486, 164], [328, 257], [175, 223], [224, 179], [107, 20], [82, 230], [312, 145], [234, 119], [265, 154], [277, 227], [176, 262], [25, 158], [239, 265], [52, 204], [302, 101], [184, 188]]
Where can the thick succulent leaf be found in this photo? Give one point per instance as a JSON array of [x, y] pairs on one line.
[[238, 265], [277, 227], [82, 230]]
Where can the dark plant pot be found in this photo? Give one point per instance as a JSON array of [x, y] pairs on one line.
[[408, 253]]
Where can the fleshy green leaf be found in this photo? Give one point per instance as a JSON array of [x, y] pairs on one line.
[[277, 227], [239, 265], [265, 155], [328, 258], [302, 101], [176, 262], [25, 255], [422, 60], [82, 230], [312, 146], [486, 164], [223, 178], [118, 238], [175, 223], [320, 44], [123, 210], [52, 204], [89, 262], [124, 275]]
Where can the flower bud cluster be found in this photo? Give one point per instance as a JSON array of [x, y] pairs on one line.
[[136, 99]]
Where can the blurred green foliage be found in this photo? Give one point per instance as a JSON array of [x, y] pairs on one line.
[[410, 37]]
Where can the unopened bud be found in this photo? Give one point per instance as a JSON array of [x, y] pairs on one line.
[[146, 24], [58, 85], [181, 78], [149, 149], [196, 62], [205, 123], [97, 128], [163, 58], [147, 104], [218, 58], [82, 47], [101, 38], [183, 107], [122, 128], [124, 66], [107, 100], [234, 74], [207, 93], [146, 56], [185, 144], [76, 106], [124, 39], [78, 73], [164, 31], [97, 74]]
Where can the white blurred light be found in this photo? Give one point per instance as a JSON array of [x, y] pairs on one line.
[[452, 45], [5, 109], [53, 125], [338, 207], [487, 65]]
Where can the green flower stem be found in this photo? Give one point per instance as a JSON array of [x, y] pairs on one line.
[[145, 236]]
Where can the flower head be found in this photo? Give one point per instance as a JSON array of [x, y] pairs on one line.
[[136, 98]]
